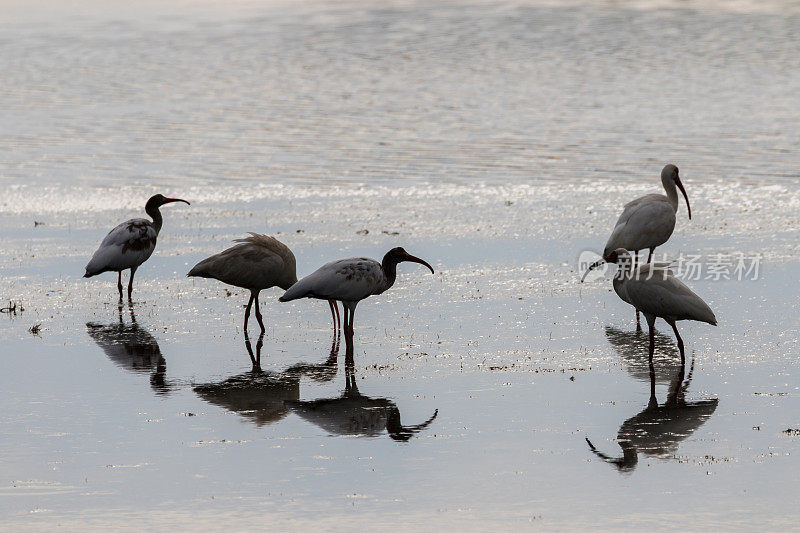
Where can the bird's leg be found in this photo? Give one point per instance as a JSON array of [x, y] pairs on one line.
[[130, 283], [258, 316], [119, 284], [651, 321], [338, 318], [635, 272], [650, 257], [348, 333], [680, 342], [247, 310]]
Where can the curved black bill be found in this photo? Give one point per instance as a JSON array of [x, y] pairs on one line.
[[414, 259], [680, 186], [592, 267]]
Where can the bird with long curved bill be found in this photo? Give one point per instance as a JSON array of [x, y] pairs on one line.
[[655, 291], [130, 244], [350, 281], [648, 221]]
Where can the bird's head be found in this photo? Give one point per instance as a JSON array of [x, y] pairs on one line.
[[398, 255], [620, 256], [670, 174], [159, 199]]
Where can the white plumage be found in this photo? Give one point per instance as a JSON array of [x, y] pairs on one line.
[[258, 262], [130, 244]]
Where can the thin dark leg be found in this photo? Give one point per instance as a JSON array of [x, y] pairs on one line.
[[130, 283], [652, 341], [348, 332], [680, 342], [119, 284], [258, 316], [650, 257], [635, 265], [338, 319], [247, 310]]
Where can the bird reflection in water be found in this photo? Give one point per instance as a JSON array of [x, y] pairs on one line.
[[133, 348], [658, 430], [631, 345], [356, 414], [259, 395]]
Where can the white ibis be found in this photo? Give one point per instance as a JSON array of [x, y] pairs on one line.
[[657, 293], [648, 221], [130, 244], [350, 281]]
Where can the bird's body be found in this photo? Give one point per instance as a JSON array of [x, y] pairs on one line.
[[350, 281], [129, 244], [654, 290], [648, 221], [346, 280], [258, 262]]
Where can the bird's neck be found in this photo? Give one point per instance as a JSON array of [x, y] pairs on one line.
[[672, 191], [389, 271], [155, 214]]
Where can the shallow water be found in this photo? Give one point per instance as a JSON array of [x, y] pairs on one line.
[[497, 141]]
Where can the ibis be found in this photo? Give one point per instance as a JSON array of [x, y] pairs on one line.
[[657, 293], [648, 221], [130, 244], [350, 281]]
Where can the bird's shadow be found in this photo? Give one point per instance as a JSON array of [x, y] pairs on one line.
[[354, 414], [658, 429], [133, 348], [260, 396]]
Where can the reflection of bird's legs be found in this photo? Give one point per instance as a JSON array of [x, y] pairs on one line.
[[119, 284], [247, 310], [680, 341], [258, 316], [130, 283], [254, 359]]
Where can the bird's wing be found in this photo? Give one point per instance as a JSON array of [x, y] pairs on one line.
[[666, 296], [645, 222], [128, 245], [247, 265], [347, 280]]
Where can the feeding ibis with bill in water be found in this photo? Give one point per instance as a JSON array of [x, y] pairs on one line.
[[657, 293], [130, 244], [258, 262]]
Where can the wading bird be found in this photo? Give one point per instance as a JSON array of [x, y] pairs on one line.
[[130, 244], [657, 293], [350, 281], [258, 262], [649, 220]]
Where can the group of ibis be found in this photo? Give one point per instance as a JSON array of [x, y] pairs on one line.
[[256, 263], [260, 262]]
